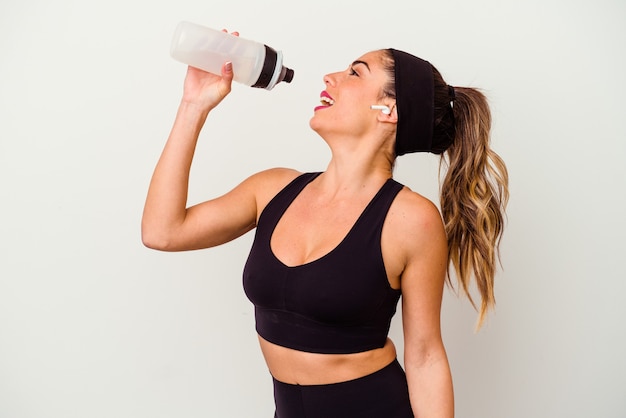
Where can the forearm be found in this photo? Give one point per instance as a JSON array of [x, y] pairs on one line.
[[430, 387], [166, 202]]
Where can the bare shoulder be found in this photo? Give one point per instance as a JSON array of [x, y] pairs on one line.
[[416, 223], [267, 183], [275, 175], [414, 211]]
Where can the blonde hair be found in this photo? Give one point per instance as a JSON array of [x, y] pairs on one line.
[[474, 195]]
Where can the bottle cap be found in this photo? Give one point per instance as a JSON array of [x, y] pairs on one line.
[[286, 75]]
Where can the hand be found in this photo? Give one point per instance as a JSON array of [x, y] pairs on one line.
[[205, 89]]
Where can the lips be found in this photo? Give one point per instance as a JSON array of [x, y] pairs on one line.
[[326, 100]]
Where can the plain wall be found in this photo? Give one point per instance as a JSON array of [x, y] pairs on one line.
[[93, 324]]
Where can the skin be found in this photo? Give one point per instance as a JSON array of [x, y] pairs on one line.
[[361, 140]]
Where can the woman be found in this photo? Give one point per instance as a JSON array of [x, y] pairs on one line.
[[334, 251]]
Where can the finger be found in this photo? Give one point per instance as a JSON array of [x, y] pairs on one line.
[[227, 71], [236, 33]]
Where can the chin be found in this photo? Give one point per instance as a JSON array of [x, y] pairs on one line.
[[322, 126], [313, 124]]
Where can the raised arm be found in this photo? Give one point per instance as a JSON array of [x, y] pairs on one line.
[[167, 223]]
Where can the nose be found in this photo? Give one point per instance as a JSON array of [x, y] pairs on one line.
[[329, 79]]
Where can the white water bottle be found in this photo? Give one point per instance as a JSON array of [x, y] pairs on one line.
[[254, 64]]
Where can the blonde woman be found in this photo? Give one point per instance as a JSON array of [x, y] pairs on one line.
[[334, 250]]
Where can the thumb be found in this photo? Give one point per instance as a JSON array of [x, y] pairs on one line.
[[227, 71], [225, 84]]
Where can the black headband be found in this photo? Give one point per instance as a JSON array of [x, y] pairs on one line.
[[415, 97], [415, 102]]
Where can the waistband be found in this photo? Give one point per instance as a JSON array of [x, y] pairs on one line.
[[383, 393]]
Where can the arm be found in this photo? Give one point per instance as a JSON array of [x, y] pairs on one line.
[[422, 281], [167, 223]]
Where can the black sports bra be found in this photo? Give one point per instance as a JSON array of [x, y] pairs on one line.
[[340, 303]]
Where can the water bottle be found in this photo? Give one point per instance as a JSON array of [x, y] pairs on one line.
[[254, 64]]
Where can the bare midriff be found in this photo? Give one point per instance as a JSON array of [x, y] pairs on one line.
[[304, 368]]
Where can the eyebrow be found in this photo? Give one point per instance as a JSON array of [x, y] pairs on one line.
[[357, 62]]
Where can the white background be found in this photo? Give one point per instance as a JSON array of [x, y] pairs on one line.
[[92, 324]]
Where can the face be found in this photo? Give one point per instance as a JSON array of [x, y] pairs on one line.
[[345, 103]]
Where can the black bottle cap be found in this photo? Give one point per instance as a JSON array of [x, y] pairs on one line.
[[288, 75]]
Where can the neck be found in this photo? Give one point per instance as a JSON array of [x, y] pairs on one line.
[[356, 169]]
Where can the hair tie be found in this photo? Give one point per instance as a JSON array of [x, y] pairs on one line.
[[451, 93]]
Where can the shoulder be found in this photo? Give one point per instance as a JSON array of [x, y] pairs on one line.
[[414, 211], [267, 183], [416, 224], [278, 176]]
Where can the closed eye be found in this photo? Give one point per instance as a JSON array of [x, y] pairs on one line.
[[359, 62]]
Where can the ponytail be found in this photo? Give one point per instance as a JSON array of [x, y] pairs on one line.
[[474, 191]]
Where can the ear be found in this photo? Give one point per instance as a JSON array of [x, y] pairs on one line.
[[392, 117]]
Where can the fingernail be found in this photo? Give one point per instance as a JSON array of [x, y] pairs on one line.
[[229, 66]]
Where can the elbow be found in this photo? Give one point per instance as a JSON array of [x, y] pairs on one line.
[[153, 243], [155, 240]]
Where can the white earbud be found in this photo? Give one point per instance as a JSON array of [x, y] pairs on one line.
[[382, 108]]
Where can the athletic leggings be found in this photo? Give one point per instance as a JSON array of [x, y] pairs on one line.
[[382, 394]]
